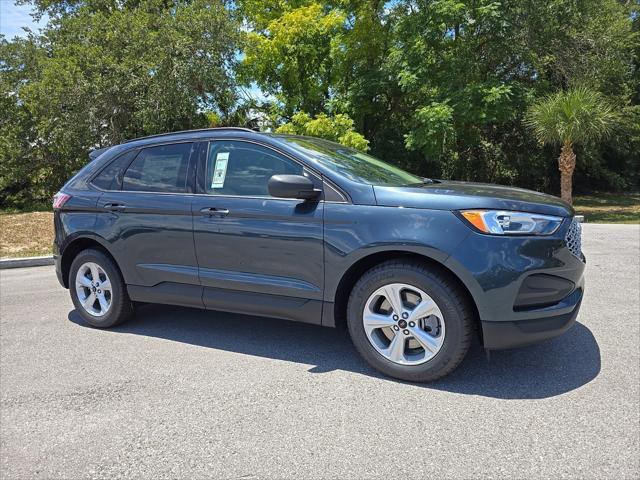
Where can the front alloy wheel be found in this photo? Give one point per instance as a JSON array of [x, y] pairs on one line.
[[410, 320], [404, 324]]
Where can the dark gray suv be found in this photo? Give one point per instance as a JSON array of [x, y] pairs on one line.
[[308, 230]]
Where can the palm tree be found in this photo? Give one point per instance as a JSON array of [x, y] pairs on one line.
[[569, 117]]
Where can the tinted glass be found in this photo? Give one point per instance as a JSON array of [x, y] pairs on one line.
[[244, 169], [110, 178], [354, 165], [159, 169]]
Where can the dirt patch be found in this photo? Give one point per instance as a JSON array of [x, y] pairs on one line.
[[26, 234]]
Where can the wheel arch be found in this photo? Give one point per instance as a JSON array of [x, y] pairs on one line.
[[76, 246], [351, 276]]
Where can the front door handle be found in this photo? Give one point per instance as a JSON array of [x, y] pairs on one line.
[[214, 212], [114, 207]]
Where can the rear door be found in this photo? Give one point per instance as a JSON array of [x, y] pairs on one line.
[[256, 253], [146, 217]]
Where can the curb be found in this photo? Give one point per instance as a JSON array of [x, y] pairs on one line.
[[26, 262]]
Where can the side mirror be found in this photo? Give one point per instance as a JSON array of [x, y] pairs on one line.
[[292, 186]]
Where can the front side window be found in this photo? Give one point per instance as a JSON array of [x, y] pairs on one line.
[[159, 169], [244, 169]]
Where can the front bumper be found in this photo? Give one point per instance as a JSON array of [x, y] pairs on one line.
[[498, 335], [526, 289]]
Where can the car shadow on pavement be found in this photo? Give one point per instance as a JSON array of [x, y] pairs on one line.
[[539, 371]]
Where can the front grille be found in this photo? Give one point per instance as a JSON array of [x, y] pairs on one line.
[[574, 238]]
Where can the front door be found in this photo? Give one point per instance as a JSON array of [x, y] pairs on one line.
[[256, 254]]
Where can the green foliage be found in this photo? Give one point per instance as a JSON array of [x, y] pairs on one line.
[[438, 87], [578, 115], [338, 129], [441, 87], [434, 129], [20, 175], [106, 71], [468, 71], [290, 56]]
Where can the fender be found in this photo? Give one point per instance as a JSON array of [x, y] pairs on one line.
[[354, 232]]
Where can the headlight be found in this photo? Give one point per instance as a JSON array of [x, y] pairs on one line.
[[504, 222]]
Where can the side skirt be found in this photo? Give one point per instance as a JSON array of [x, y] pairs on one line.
[[235, 301], [169, 293], [264, 305]]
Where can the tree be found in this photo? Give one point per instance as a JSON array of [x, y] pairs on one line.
[[441, 87], [469, 70], [438, 87], [338, 129], [107, 71], [576, 116], [20, 62], [315, 57], [289, 54]]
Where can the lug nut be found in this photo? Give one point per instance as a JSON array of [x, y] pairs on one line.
[[405, 315], [412, 324], [99, 291], [395, 327], [406, 332], [395, 317]]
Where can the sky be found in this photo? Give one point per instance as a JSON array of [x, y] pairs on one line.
[[13, 17]]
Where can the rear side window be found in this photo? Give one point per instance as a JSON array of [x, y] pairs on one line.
[[159, 169], [110, 178]]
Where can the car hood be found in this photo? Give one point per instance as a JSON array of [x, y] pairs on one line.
[[450, 195]]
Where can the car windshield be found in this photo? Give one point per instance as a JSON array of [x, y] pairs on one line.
[[354, 165]]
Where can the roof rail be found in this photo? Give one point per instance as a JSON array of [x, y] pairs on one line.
[[190, 131]]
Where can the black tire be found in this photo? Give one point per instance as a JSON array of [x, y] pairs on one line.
[[457, 313], [121, 306]]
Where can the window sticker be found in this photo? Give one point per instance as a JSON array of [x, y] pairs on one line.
[[220, 170]]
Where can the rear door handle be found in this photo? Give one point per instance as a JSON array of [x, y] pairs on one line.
[[214, 212], [114, 207]]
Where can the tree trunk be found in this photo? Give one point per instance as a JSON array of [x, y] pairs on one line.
[[566, 165]]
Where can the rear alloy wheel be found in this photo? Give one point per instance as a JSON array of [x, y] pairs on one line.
[[93, 289], [409, 321], [97, 290]]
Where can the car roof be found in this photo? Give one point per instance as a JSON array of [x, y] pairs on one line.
[[182, 135], [196, 134], [191, 134], [179, 136]]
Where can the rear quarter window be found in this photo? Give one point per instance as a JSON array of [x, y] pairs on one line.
[[110, 178]]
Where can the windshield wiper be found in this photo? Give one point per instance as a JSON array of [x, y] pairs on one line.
[[425, 181]]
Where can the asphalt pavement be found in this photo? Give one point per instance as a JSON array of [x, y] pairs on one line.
[[179, 393]]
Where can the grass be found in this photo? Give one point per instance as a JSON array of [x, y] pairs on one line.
[[26, 234], [31, 234], [609, 207]]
